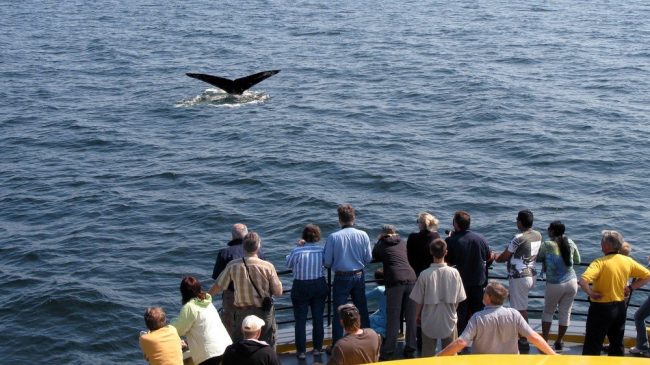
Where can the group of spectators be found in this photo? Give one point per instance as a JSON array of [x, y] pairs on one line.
[[438, 287]]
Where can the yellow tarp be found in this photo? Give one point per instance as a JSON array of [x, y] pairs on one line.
[[523, 359]]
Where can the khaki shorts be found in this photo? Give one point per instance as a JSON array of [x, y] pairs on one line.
[[519, 289]]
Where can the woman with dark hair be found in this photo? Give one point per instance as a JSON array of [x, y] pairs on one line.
[[309, 289], [400, 279], [199, 321], [559, 254]]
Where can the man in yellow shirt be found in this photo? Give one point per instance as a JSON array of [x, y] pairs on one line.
[[161, 345], [608, 276]]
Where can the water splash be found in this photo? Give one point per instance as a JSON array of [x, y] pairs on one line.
[[220, 98]]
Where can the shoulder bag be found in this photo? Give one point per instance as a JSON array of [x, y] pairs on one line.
[[267, 302]]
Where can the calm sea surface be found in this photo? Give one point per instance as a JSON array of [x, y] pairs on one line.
[[119, 174]]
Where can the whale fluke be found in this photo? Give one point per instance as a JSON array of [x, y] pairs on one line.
[[236, 87]]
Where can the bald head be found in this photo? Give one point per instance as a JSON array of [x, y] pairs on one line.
[[239, 231], [155, 318]]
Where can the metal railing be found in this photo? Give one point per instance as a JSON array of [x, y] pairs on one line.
[[580, 298]]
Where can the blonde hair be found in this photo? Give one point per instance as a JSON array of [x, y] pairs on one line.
[[625, 249], [427, 221]]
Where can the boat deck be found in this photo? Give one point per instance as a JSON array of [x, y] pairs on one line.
[[572, 344]]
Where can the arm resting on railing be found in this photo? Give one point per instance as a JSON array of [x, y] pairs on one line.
[[540, 343], [453, 348]]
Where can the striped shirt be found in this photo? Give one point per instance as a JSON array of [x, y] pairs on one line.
[[306, 262], [261, 272]]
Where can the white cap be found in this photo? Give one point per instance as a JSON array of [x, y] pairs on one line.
[[252, 324]]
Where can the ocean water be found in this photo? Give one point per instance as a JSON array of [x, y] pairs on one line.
[[119, 174]]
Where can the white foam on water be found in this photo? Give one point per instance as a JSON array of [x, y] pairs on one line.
[[220, 98]]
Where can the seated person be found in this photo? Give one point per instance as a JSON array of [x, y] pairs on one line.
[[496, 329], [250, 350], [161, 345], [378, 318], [358, 346]]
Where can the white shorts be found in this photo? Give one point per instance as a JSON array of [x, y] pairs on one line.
[[519, 289]]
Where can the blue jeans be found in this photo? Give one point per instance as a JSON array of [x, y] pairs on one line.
[[639, 320], [344, 286], [307, 294]]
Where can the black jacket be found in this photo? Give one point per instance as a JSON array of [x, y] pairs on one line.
[[250, 352], [417, 248], [391, 251]]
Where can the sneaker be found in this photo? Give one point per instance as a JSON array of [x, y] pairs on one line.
[[636, 351], [409, 354], [317, 352], [558, 346], [301, 355]]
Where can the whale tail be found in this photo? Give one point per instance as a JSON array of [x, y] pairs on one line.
[[235, 87]]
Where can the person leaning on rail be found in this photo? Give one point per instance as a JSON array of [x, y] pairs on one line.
[[641, 314], [496, 329], [520, 256], [400, 278], [309, 289], [161, 345], [200, 323], [234, 250], [558, 254], [256, 281]]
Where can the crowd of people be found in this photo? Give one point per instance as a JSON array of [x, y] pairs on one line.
[[438, 286]]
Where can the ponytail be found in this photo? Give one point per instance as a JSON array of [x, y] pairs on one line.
[[565, 250], [556, 231]]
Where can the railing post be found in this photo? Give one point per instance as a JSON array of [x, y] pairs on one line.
[[329, 296]]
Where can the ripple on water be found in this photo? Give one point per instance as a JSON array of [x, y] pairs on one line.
[[120, 175]]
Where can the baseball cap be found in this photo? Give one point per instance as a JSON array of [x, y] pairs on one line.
[[252, 324]]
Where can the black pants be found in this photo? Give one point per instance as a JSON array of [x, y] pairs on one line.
[[469, 306], [605, 319]]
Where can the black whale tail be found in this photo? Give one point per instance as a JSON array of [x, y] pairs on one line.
[[238, 86]]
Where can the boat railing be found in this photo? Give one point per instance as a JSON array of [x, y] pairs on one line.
[[576, 311]]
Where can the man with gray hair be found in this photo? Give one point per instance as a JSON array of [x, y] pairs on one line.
[[232, 251], [254, 280], [496, 329], [161, 345], [604, 282]]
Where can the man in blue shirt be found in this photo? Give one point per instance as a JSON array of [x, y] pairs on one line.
[[347, 251]]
